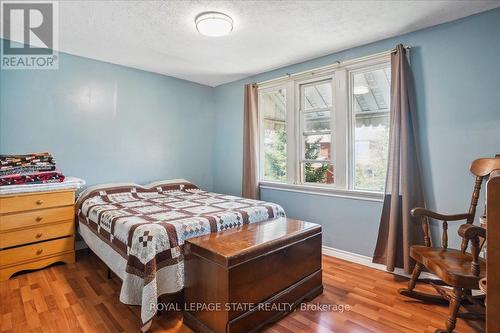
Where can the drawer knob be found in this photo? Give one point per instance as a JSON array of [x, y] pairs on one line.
[[38, 252], [39, 202], [38, 235], [38, 218]]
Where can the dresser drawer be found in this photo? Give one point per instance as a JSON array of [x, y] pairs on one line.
[[37, 234], [36, 251], [18, 203], [36, 218]]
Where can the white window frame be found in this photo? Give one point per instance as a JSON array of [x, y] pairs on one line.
[[351, 146], [342, 118], [300, 123], [289, 136]]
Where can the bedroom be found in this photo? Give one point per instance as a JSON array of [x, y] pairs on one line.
[[153, 149]]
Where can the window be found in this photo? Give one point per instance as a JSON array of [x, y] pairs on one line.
[[370, 98], [272, 105], [328, 128], [316, 141]]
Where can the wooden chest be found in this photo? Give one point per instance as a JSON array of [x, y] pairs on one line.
[[36, 230], [242, 279]]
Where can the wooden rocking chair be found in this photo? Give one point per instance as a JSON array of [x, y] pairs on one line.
[[457, 269]]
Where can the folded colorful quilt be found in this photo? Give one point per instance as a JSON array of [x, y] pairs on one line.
[[27, 169], [68, 183], [42, 177], [147, 226], [7, 161], [22, 164]]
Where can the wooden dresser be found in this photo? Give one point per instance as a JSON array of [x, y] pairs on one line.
[[241, 279], [493, 253], [36, 230]]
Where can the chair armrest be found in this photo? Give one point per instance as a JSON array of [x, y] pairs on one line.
[[469, 231], [419, 212], [424, 215], [472, 233]]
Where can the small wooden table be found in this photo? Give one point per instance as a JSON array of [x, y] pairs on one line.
[[240, 280]]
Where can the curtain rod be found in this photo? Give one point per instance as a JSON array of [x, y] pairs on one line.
[[338, 62], [405, 47]]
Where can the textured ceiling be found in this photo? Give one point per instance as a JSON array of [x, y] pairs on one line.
[[160, 36]]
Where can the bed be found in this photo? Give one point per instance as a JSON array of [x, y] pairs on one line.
[[139, 231]]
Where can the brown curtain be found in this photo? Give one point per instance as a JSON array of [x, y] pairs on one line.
[[403, 191], [251, 143]]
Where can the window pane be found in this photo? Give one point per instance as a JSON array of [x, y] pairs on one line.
[[317, 147], [372, 91], [317, 96], [318, 172], [316, 135], [371, 99], [317, 121], [273, 106]]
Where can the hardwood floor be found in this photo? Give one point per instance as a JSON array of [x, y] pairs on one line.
[[79, 298]]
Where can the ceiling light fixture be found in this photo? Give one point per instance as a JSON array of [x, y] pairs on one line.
[[361, 90], [213, 24]]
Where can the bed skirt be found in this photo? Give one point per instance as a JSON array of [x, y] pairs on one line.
[[117, 264]]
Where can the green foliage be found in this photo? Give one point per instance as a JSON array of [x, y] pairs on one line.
[[369, 176], [313, 175], [275, 159], [317, 175], [275, 166]]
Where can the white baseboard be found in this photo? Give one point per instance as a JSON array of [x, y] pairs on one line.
[[366, 261]]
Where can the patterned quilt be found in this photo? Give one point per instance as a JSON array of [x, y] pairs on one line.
[[35, 162], [147, 226], [39, 177]]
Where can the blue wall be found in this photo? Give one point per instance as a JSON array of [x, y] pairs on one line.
[[457, 73], [108, 123]]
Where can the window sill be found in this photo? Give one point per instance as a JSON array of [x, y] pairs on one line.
[[323, 190]]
